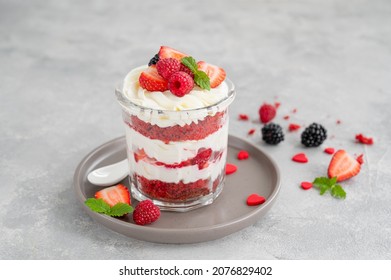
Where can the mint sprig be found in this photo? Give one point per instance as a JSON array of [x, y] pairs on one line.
[[100, 206], [325, 184], [200, 77]]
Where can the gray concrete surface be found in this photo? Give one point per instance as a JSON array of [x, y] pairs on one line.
[[330, 60]]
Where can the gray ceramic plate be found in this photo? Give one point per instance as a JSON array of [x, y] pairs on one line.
[[228, 214]]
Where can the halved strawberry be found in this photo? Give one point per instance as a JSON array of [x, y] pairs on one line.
[[167, 52], [216, 74], [139, 155], [113, 195], [343, 166], [152, 81]]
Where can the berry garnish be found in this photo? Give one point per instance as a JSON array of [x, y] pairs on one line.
[[112, 201], [243, 117], [243, 155], [251, 131], [180, 83], [313, 135], [187, 70], [230, 168], [146, 213], [113, 195], [301, 158], [293, 127], [329, 151], [152, 81], [168, 66], [216, 74], [167, 52], [324, 184], [343, 166], [272, 134], [200, 77], [154, 60], [364, 140], [255, 199], [267, 112], [306, 185]]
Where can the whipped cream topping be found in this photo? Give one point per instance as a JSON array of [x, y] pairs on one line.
[[197, 98]]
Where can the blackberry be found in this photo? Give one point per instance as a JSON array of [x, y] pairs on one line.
[[313, 135], [272, 134], [154, 60]]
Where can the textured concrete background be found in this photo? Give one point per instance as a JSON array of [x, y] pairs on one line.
[[60, 60]]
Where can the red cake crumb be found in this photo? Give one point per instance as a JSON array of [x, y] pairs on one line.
[[193, 131], [286, 117], [294, 111], [364, 140], [176, 192], [251, 131], [243, 117], [338, 121], [277, 104], [293, 127], [360, 159]]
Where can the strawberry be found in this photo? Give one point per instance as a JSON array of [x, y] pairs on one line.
[[152, 81], [113, 195], [216, 74], [343, 166], [146, 213], [167, 52]]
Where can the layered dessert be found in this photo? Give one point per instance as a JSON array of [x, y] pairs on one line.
[[175, 111]]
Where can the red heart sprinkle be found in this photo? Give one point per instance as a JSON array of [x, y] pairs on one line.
[[329, 151], [293, 127], [230, 168], [306, 185], [255, 199], [243, 155], [301, 157]]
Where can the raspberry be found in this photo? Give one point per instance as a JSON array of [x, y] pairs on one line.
[[180, 83], [267, 112], [187, 70], [167, 66], [145, 213]]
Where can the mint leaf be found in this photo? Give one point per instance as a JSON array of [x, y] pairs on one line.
[[120, 209], [97, 205], [200, 77], [338, 192], [325, 184], [202, 80], [190, 63]]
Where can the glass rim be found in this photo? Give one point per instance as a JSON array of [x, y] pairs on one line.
[[127, 104]]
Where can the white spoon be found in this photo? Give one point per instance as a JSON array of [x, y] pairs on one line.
[[109, 175]]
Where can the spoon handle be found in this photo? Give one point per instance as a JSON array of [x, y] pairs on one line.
[[110, 174]]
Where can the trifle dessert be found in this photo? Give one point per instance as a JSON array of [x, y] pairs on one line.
[[176, 123]]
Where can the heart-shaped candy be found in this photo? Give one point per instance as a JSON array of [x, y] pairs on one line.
[[255, 199], [230, 168], [301, 157]]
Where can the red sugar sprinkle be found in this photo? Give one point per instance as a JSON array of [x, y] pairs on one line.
[[329, 151], [251, 131], [293, 127], [277, 104], [364, 140], [243, 117], [306, 185], [300, 157], [286, 117], [360, 159], [243, 155], [255, 199], [230, 168]]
